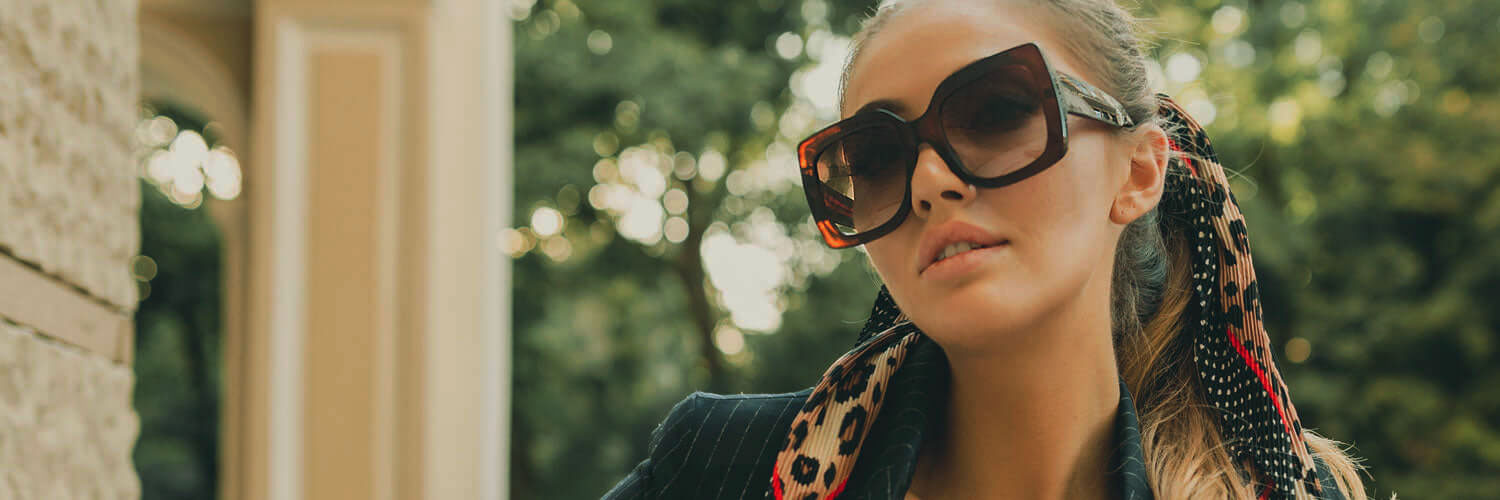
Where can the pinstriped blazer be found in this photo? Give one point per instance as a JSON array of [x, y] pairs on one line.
[[715, 446]]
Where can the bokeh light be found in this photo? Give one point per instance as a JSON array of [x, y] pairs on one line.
[[1298, 350], [546, 221], [181, 164], [600, 43], [143, 267], [789, 45], [729, 340]]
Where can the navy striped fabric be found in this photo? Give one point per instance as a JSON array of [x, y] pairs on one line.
[[723, 447], [713, 446]]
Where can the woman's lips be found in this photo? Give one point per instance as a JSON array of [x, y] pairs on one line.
[[959, 265], [938, 238]]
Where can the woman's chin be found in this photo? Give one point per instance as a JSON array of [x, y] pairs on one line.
[[972, 319]]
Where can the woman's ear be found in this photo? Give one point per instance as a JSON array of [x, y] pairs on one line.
[[1146, 179]]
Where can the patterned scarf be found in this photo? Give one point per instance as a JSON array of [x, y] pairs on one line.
[[1231, 349]]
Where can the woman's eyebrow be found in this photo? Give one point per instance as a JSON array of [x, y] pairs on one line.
[[888, 104]]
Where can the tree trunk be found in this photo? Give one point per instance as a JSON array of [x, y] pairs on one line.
[[689, 268]]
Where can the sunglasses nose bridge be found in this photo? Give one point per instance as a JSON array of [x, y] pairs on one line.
[[928, 128], [928, 131]]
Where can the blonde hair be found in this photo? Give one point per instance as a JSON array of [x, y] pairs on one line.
[[1186, 456]]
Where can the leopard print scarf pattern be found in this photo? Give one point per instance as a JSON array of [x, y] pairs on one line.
[[830, 430], [1231, 350]]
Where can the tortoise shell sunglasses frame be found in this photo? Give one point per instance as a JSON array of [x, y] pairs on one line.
[[1059, 94]]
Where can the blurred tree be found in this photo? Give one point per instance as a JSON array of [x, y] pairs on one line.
[[662, 244], [657, 206], [177, 334]]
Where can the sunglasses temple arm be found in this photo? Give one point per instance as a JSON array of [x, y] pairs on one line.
[[1085, 100]]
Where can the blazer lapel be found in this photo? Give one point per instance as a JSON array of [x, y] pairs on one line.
[[1129, 458]]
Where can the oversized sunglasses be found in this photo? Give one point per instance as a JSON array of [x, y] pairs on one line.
[[994, 122]]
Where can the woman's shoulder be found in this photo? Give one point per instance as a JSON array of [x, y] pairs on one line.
[[718, 428], [714, 445]]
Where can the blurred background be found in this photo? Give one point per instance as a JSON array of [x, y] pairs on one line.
[[647, 236]]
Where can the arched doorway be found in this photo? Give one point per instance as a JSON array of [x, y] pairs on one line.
[[179, 317], [195, 65]]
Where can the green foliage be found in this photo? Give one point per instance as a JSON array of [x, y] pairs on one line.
[[177, 352], [177, 344], [615, 332]]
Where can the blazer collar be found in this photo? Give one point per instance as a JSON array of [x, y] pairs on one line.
[[916, 400]]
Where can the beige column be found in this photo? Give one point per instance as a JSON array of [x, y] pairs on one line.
[[377, 309]]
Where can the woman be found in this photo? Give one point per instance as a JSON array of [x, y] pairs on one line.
[[1069, 307]]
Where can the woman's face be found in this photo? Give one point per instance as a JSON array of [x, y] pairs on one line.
[[1057, 225]]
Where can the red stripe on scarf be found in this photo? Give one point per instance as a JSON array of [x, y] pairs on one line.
[[776, 481], [1264, 382], [1186, 161]]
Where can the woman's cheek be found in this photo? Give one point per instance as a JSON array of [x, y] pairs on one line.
[[886, 254]]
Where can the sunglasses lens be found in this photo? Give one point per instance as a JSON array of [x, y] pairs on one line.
[[996, 124], [862, 176]]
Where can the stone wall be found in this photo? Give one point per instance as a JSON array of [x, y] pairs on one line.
[[69, 199], [66, 424], [69, 86]]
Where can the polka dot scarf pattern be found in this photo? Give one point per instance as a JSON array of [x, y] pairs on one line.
[[1231, 349]]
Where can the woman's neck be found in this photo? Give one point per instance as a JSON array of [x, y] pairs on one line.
[[1034, 422]]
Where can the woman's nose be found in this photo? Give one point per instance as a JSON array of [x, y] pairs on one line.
[[934, 185]]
